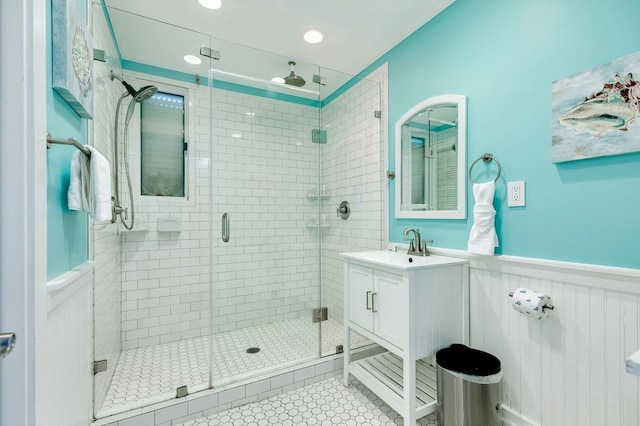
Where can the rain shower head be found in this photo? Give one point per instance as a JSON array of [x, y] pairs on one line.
[[292, 79]]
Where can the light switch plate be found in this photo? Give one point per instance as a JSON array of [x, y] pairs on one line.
[[515, 194]]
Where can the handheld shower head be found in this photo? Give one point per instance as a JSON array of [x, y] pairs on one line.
[[144, 93], [140, 96], [127, 86]]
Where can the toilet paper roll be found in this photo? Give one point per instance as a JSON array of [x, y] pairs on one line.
[[531, 303]]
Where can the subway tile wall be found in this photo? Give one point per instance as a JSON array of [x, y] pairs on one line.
[[166, 275], [264, 165], [352, 163], [105, 242]]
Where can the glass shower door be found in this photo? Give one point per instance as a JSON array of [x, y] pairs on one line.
[[352, 162], [265, 183], [151, 286]]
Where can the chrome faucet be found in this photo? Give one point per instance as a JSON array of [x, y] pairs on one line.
[[416, 246], [412, 241]]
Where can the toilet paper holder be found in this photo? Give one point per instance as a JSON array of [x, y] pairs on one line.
[[547, 306]]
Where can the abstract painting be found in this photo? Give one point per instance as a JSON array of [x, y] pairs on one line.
[[72, 56], [595, 111]]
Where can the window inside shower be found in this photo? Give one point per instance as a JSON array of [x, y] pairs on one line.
[[162, 145]]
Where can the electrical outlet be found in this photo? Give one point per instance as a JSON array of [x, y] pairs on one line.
[[515, 194]]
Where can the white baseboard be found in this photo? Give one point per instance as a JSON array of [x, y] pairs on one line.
[[510, 417]]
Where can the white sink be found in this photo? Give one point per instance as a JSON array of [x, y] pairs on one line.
[[399, 260]]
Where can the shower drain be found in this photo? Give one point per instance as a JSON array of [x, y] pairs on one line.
[[253, 350]]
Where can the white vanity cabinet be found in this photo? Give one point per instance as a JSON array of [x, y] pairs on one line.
[[412, 306], [374, 302]]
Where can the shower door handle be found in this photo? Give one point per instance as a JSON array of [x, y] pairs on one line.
[[225, 227]]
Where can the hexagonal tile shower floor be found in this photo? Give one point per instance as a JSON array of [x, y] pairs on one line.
[[149, 375]]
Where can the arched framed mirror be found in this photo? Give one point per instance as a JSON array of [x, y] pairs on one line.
[[430, 148]]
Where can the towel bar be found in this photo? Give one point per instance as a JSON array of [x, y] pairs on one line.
[[486, 157], [70, 141]]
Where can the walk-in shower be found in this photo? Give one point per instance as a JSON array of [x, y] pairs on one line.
[[181, 309], [137, 96]]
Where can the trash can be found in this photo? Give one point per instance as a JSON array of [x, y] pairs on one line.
[[468, 382]]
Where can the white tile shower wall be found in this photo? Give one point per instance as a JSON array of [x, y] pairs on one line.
[[264, 165], [570, 369], [352, 168], [166, 275], [105, 242]]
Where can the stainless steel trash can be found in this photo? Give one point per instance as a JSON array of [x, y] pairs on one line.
[[468, 382]]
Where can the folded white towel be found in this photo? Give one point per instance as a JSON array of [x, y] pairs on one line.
[[90, 185], [76, 196], [483, 238]]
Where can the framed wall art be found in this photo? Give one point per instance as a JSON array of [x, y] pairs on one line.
[[595, 112], [72, 56]]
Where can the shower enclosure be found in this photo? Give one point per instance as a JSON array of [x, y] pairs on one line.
[[239, 276]]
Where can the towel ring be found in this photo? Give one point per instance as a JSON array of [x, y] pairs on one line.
[[486, 157]]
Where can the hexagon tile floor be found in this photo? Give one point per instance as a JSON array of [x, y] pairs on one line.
[[151, 374], [324, 403]]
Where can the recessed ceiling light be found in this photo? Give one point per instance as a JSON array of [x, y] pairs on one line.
[[211, 4], [313, 36], [278, 80], [192, 59]]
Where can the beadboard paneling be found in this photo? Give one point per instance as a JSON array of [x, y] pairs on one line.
[[68, 377], [567, 370]]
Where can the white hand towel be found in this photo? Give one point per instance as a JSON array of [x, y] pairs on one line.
[[483, 238], [90, 185], [99, 185], [78, 183]]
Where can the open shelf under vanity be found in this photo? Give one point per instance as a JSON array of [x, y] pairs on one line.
[[383, 374]]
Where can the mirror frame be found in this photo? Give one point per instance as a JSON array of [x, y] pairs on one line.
[[461, 211]]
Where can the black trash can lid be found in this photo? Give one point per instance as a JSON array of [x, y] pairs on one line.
[[462, 359]]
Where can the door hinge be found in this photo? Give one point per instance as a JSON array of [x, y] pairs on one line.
[[377, 114], [320, 80], [99, 366], [318, 136], [320, 314], [181, 392], [185, 145]]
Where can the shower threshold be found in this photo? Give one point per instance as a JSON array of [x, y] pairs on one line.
[[149, 375]]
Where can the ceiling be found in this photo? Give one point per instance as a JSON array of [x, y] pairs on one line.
[[257, 38]]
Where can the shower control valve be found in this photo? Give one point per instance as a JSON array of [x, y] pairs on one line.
[[117, 210]]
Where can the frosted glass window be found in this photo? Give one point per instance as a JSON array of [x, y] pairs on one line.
[[162, 146]]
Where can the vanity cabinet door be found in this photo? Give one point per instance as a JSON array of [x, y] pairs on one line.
[[389, 305], [360, 293]]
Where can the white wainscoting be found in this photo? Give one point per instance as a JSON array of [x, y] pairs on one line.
[[68, 378], [570, 369]]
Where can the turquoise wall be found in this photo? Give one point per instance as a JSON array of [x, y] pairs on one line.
[[503, 55], [67, 238]]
